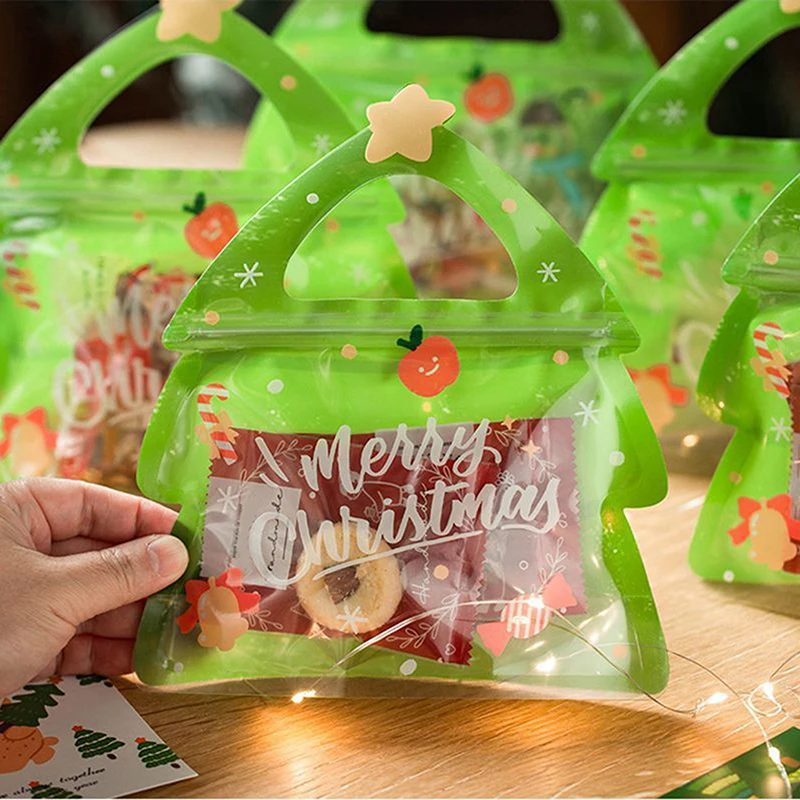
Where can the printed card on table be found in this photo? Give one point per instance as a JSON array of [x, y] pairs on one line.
[[752, 774], [78, 737]]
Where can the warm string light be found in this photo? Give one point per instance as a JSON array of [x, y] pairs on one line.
[[548, 666], [715, 699]]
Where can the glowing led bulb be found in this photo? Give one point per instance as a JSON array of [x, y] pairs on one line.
[[547, 665]]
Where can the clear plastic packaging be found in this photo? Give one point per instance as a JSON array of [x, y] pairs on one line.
[[95, 261], [404, 496], [540, 109], [749, 528], [679, 199]]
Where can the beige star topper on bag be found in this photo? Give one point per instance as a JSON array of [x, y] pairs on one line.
[[404, 124], [199, 18], [790, 6]]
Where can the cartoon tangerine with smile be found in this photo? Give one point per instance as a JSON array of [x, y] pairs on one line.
[[431, 366], [211, 227], [489, 95]]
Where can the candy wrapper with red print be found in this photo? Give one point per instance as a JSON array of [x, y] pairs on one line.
[[403, 496], [94, 261]]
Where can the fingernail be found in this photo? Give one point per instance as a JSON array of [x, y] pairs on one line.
[[168, 556]]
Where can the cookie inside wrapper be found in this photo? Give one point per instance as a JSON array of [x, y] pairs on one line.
[[749, 528], [94, 261], [404, 495], [679, 199]]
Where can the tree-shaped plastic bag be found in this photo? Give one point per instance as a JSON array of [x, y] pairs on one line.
[[679, 199], [538, 108], [425, 491], [749, 528], [96, 260]]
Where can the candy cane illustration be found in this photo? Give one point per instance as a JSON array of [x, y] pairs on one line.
[[19, 280], [211, 420], [773, 371], [644, 249]]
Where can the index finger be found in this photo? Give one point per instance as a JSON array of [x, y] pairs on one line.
[[56, 509]]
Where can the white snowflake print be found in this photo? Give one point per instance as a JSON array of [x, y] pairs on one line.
[[699, 218], [796, 217], [590, 21], [248, 275], [352, 618], [5, 166], [46, 141], [588, 413], [321, 144], [229, 498], [673, 112], [548, 272], [781, 429]]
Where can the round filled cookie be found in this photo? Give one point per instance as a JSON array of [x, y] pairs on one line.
[[354, 599]]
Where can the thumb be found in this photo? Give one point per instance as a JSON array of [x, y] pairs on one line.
[[102, 580]]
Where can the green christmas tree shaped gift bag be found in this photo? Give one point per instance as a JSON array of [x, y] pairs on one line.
[[538, 108], [749, 528], [423, 491], [679, 198], [96, 260]]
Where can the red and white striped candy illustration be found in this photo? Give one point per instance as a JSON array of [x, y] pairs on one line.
[[211, 420], [760, 335], [19, 280], [644, 249], [527, 615]]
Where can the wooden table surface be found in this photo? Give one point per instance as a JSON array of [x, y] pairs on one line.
[[253, 746], [247, 746]]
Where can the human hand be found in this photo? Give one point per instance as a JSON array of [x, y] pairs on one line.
[[76, 561]]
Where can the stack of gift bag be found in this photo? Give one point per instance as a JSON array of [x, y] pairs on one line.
[[401, 410]]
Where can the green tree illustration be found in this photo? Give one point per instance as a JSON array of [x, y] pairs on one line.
[[29, 709], [48, 790], [155, 754], [95, 743], [88, 680]]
